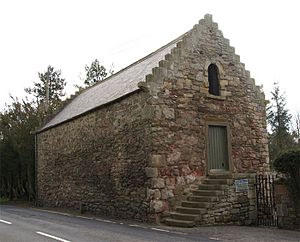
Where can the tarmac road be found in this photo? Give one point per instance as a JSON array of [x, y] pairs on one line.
[[35, 225], [30, 225]]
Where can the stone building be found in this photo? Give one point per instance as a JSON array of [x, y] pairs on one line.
[[174, 137]]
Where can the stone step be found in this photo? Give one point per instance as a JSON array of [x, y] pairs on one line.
[[207, 192], [202, 198], [179, 223], [212, 187], [183, 216], [195, 211], [220, 176], [191, 204], [218, 181]]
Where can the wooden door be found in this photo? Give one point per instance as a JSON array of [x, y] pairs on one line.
[[218, 148]]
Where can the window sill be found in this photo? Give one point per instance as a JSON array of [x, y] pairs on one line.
[[216, 97]]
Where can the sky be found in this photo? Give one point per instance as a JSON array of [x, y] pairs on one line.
[[69, 34]]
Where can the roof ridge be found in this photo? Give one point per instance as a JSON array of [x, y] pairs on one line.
[[139, 61]]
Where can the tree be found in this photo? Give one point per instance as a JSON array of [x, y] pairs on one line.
[[49, 90], [17, 122], [279, 119], [95, 73], [17, 166], [296, 128]]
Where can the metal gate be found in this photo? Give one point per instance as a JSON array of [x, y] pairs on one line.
[[266, 207]]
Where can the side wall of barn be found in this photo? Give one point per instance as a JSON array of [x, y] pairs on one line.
[[97, 161]]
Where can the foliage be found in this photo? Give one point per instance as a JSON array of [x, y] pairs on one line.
[[94, 73], [288, 163], [49, 90], [296, 128], [17, 168], [279, 119], [3, 200], [17, 122]]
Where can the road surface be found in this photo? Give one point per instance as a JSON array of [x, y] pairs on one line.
[[34, 225]]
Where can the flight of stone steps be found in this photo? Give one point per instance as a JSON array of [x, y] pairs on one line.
[[199, 201]]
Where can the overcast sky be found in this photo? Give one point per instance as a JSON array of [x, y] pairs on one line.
[[69, 34]]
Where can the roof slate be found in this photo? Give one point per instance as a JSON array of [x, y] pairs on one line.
[[116, 86]]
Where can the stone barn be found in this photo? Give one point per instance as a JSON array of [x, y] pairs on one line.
[[175, 137]]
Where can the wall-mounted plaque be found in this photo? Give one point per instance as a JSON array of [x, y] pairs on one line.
[[241, 185]]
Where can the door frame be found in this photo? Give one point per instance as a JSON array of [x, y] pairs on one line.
[[230, 166]]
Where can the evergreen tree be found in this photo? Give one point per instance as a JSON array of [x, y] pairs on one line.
[[279, 120], [94, 73], [17, 167], [17, 122], [49, 90], [296, 128]]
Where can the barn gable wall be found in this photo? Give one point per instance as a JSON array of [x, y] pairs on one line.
[[184, 109]]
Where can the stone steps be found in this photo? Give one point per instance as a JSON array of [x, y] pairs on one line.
[[191, 204], [218, 181], [187, 210], [211, 187], [220, 176], [180, 223], [201, 198], [207, 192], [184, 216]]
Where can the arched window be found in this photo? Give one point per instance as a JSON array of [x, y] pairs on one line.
[[213, 80]]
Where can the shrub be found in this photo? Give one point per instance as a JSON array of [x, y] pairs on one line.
[[288, 164], [3, 200]]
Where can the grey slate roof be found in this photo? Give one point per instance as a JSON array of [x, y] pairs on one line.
[[118, 85]]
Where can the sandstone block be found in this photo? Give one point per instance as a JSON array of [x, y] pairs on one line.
[[234, 211], [223, 83], [185, 170], [157, 160], [174, 157], [157, 183], [170, 182], [168, 112], [190, 178], [204, 90], [151, 172], [157, 206], [166, 194], [157, 194], [150, 193], [180, 180]]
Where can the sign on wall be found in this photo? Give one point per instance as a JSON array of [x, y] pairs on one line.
[[241, 185]]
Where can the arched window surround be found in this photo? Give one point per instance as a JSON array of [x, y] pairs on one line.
[[223, 80], [213, 80]]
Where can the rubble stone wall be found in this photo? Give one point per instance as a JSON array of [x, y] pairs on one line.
[[288, 214], [233, 207], [97, 162]]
